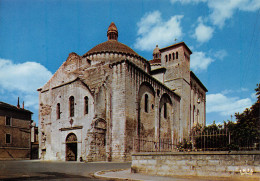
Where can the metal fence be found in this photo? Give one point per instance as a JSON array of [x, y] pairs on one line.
[[213, 141], [143, 144]]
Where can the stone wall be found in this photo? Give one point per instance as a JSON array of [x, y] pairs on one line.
[[19, 131], [216, 164]]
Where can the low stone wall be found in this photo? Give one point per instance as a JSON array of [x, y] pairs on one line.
[[213, 163]]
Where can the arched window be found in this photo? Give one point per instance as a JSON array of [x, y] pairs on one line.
[[58, 111], [71, 104], [198, 115], [146, 103], [177, 55], [194, 113], [170, 56], [166, 58], [173, 56], [165, 111], [86, 105]]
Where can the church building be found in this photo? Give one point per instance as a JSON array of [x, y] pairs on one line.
[[96, 104]]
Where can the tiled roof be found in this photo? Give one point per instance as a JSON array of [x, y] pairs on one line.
[[176, 45], [112, 27], [111, 46], [155, 61], [8, 106]]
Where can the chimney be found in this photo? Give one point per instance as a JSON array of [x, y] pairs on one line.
[[23, 104], [18, 104]]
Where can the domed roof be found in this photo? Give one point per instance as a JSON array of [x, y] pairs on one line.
[[112, 45]]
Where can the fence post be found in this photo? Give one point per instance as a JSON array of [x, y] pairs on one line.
[[229, 137]]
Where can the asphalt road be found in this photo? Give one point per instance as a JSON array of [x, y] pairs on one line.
[[39, 170]]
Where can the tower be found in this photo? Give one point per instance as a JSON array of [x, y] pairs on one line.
[[176, 60]]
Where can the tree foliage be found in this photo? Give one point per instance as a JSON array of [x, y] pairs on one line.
[[248, 123], [244, 134]]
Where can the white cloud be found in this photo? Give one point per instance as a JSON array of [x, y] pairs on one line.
[[254, 96], [23, 79], [153, 30], [199, 61], [228, 91], [219, 103], [221, 10], [220, 54], [225, 106], [203, 33], [224, 9]]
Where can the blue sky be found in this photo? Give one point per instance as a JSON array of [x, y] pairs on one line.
[[36, 37]]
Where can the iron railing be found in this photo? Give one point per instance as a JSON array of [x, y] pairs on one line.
[[213, 141], [143, 144]]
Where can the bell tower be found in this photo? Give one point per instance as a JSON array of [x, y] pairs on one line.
[[176, 60]]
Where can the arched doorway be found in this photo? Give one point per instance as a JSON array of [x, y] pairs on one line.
[[71, 147]]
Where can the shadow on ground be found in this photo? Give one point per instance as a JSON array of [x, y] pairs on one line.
[[50, 176]]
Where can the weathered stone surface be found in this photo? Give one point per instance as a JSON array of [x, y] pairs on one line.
[[219, 164], [116, 98], [15, 131]]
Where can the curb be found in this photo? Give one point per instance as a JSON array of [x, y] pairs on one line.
[[100, 174]]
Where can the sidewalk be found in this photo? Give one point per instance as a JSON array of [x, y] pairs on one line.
[[127, 175]]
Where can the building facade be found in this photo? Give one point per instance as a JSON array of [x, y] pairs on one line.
[[171, 66], [96, 104], [15, 139]]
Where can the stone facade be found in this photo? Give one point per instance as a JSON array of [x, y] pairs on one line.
[[239, 164], [171, 66], [95, 104], [15, 142]]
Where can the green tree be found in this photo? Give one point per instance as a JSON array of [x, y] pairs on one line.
[[245, 133], [247, 129]]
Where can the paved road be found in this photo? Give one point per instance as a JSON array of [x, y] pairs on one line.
[[39, 170]]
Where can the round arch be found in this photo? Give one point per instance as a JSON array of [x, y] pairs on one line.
[[146, 112], [165, 117], [71, 147]]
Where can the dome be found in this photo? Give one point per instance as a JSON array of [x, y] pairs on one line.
[[111, 45]]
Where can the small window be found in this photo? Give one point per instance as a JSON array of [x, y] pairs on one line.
[[146, 103], [166, 58], [177, 55], [86, 104], [173, 56], [7, 138], [198, 115], [165, 111], [58, 111], [8, 121], [170, 57], [71, 104]]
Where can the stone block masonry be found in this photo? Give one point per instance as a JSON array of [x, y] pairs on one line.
[[237, 164]]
